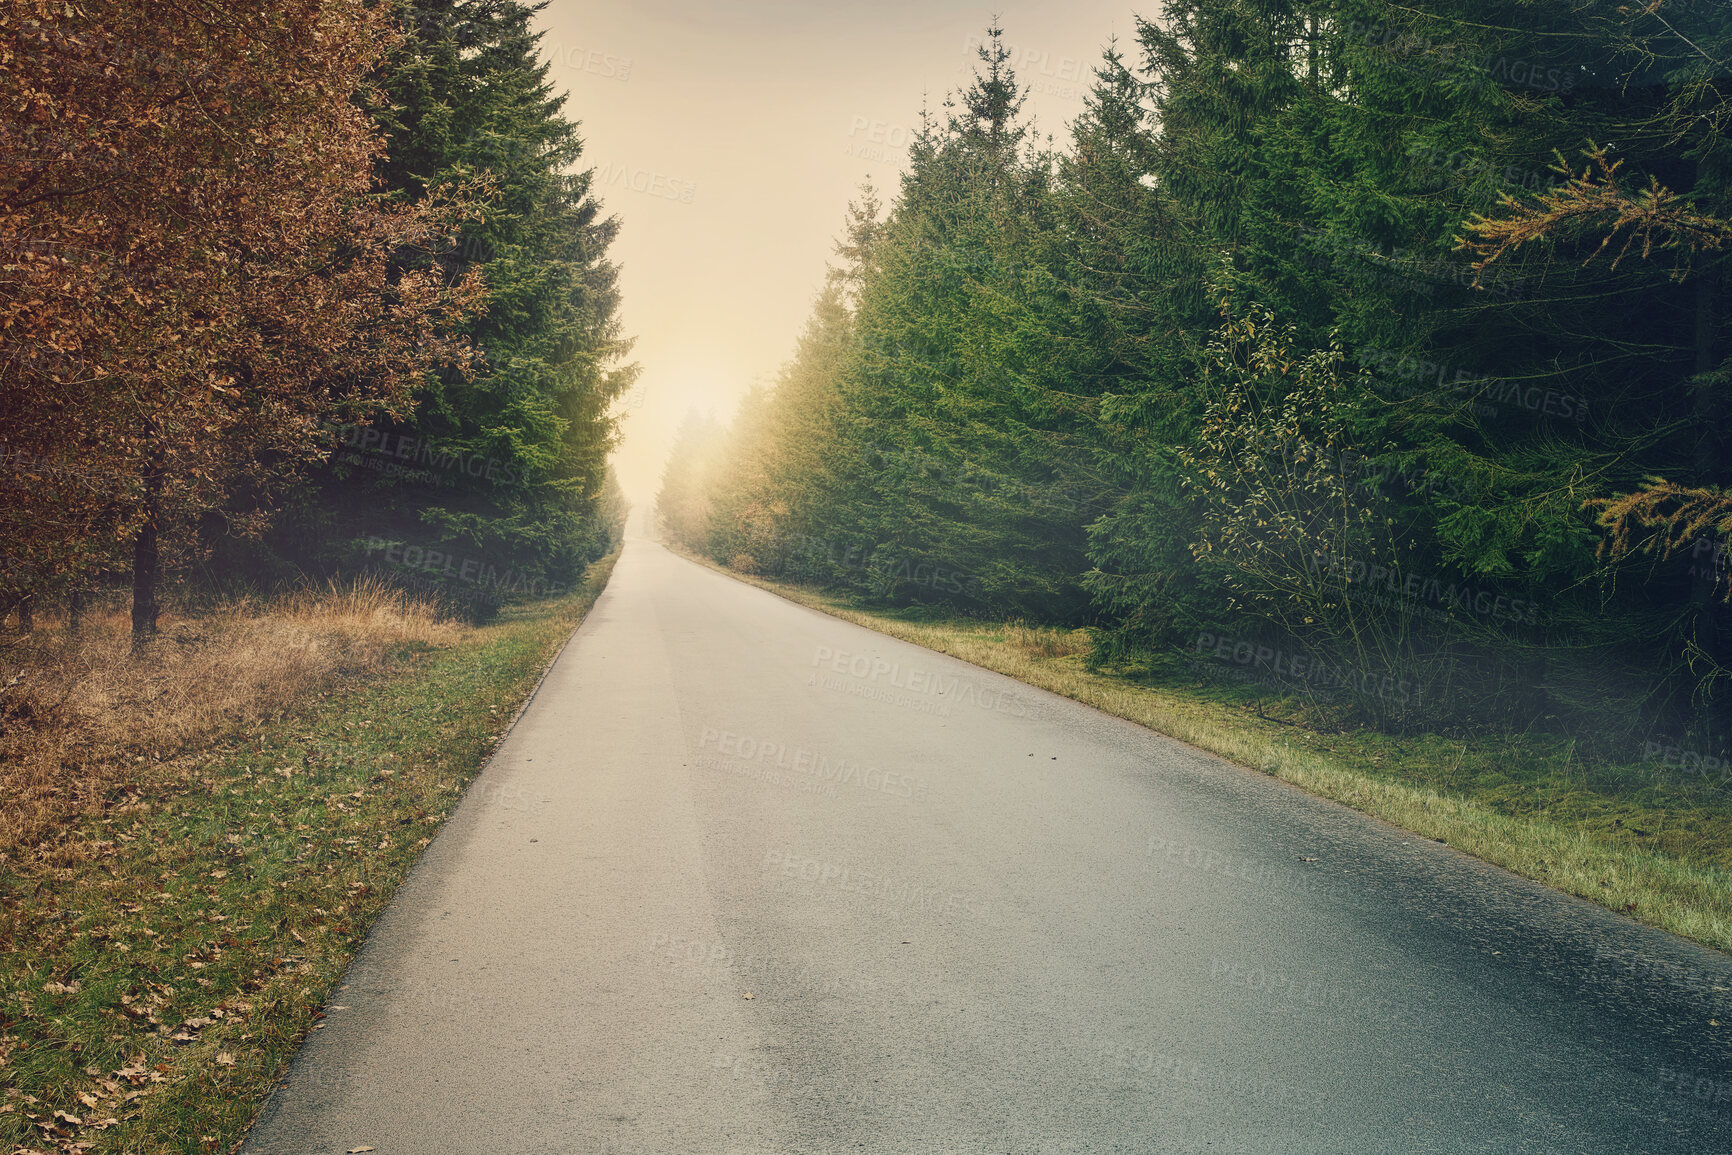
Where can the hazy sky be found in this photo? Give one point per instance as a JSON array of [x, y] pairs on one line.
[[729, 138]]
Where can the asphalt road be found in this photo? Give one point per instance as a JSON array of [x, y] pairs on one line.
[[748, 879]]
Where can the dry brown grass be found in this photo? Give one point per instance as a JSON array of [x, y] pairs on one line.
[[83, 721], [230, 898], [1045, 641]]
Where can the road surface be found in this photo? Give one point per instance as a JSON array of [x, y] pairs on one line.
[[748, 879]]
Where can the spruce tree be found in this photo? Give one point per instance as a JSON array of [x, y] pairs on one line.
[[506, 465]]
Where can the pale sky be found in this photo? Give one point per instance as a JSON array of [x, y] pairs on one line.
[[729, 139]]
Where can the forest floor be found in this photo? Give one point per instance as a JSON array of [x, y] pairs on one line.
[[1656, 847], [194, 844]]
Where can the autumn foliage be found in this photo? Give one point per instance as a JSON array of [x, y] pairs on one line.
[[195, 269]]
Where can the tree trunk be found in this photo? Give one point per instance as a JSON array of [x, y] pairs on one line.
[[1707, 462], [147, 563], [1312, 37], [26, 613], [1710, 613], [76, 604]]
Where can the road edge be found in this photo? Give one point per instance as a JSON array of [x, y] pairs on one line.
[[1652, 889]]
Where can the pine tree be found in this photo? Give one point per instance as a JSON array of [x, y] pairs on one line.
[[510, 463]]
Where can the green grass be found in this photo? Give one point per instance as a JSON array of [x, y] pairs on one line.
[[163, 963], [1656, 849]]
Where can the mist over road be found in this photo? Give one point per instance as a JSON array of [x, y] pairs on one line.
[[747, 878]]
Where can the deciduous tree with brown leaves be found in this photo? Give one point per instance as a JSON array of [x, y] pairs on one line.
[[196, 267]]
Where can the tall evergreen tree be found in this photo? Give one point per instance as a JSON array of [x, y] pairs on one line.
[[509, 465], [1315, 328]]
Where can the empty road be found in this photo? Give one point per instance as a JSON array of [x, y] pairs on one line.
[[748, 879]]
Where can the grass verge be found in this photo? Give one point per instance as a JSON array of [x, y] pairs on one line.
[[168, 948], [1657, 850]]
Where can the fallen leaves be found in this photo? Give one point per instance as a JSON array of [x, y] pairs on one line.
[[168, 897], [139, 1075]]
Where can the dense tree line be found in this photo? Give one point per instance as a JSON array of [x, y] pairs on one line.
[[502, 468], [1375, 354], [292, 290]]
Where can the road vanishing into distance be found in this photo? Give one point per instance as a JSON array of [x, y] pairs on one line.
[[745, 878]]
